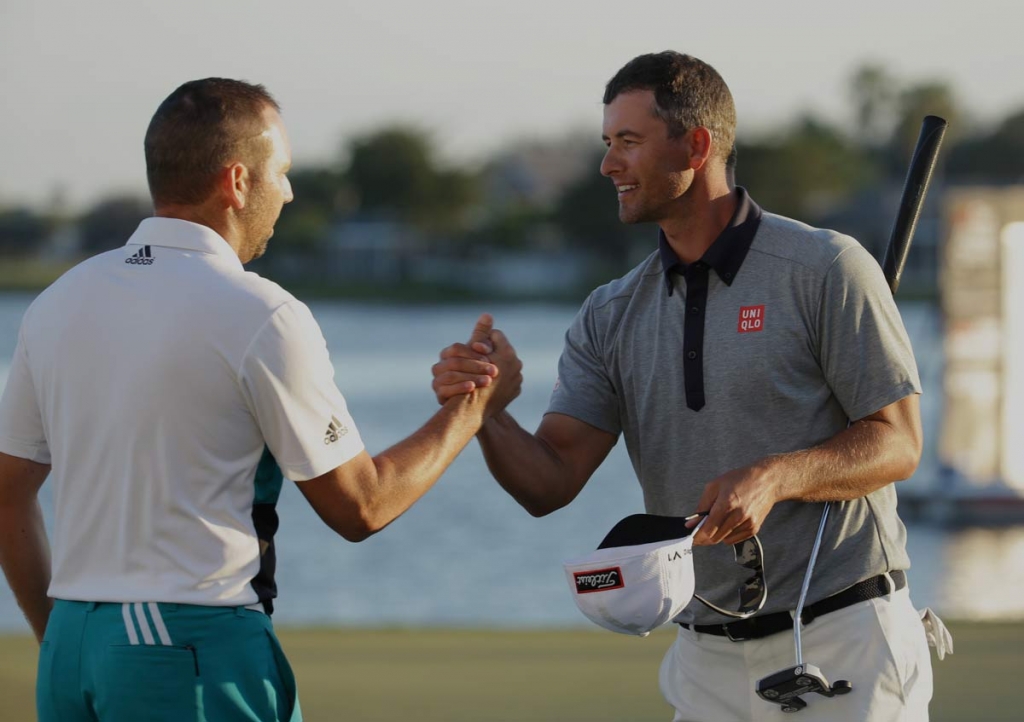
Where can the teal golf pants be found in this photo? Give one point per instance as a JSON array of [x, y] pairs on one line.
[[114, 662]]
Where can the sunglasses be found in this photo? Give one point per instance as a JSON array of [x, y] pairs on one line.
[[753, 592]]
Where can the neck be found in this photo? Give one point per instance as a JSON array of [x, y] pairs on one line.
[[203, 215], [706, 211]]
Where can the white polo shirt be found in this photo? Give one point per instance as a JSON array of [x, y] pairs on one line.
[[153, 378]]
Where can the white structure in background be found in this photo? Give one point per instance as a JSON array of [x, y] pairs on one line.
[[1013, 355], [981, 448]]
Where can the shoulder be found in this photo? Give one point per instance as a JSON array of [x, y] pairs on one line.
[[275, 316], [615, 295], [599, 320], [793, 242], [258, 292], [69, 286]]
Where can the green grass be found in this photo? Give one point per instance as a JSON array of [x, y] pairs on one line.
[[537, 676]]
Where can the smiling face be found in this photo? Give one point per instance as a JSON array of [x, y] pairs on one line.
[[651, 171]]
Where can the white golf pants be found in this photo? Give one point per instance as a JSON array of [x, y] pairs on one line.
[[878, 645]]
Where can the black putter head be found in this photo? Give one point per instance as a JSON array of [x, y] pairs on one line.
[[786, 687]]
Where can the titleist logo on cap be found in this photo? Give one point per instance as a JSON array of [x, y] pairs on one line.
[[598, 580]]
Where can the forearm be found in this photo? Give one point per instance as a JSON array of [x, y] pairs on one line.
[[864, 457], [407, 470], [25, 558], [526, 466]]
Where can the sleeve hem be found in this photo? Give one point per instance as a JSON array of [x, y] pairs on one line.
[[22, 450], [310, 470], [903, 390], [586, 418]]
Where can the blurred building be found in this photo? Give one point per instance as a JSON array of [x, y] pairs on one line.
[[380, 251], [981, 448]]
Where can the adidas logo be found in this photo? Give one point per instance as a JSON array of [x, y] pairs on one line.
[[143, 258], [335, 430]]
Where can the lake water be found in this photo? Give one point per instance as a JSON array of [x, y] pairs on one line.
[[466, 554]]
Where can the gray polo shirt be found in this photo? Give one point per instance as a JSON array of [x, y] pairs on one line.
[[798, 335]]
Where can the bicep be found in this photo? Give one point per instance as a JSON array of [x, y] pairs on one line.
[[579, 447], [336, 495], [903, 419], [20, 479]]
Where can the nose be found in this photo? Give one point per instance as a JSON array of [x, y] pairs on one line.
[[610, 164], [288, 195]]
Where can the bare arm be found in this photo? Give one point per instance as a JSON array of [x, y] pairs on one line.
[[24, 549], [869, 454], [542, 471], [546, 470], [365, 494]]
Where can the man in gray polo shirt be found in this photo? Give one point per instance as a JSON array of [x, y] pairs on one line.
[[757, 368]]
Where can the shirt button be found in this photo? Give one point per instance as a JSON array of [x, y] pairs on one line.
[[694, 309], [691, 355]]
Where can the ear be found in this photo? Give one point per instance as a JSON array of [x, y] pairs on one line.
[[234, 183], [701, 142]]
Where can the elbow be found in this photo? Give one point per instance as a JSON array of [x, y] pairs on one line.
[[536, 511], [538, 507], [908, 464], [909, 438], [358, 525], [354, 533], [548, 499], [909, 457]]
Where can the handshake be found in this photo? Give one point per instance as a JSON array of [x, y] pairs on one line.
[[487, 366]]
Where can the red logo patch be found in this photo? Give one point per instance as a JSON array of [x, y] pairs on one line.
[[751, 319]]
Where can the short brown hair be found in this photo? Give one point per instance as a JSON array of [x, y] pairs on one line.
[[688, 93], [200, 127]]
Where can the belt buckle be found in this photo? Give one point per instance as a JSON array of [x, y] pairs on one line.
[[731, 636]]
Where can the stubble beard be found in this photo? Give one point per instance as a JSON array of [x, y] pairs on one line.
[[258, 219], [648, 210], [639, 213]]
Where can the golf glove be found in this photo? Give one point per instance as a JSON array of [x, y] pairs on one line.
[[938, 636]]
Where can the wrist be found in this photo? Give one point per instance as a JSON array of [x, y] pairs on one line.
[[469, 408], [773, 473]]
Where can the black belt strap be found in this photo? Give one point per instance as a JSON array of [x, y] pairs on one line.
[[768, 624]]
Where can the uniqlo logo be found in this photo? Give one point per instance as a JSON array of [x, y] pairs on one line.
[[751, 319]]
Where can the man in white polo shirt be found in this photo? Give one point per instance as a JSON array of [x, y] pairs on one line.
[[166, 391]]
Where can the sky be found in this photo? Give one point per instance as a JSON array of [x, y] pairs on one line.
[[80, 80]]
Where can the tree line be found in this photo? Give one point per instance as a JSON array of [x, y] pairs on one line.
[[548, 194]]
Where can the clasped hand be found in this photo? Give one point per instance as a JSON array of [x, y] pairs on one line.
[[479, 364]]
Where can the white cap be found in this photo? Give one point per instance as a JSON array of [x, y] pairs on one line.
[[640, 577]]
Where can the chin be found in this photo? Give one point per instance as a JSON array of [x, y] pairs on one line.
[[630, 217], [258, 252]]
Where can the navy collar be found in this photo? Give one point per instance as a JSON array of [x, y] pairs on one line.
[[727, 252]]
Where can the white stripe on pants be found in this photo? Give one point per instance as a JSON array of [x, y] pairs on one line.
[[878, 645]]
